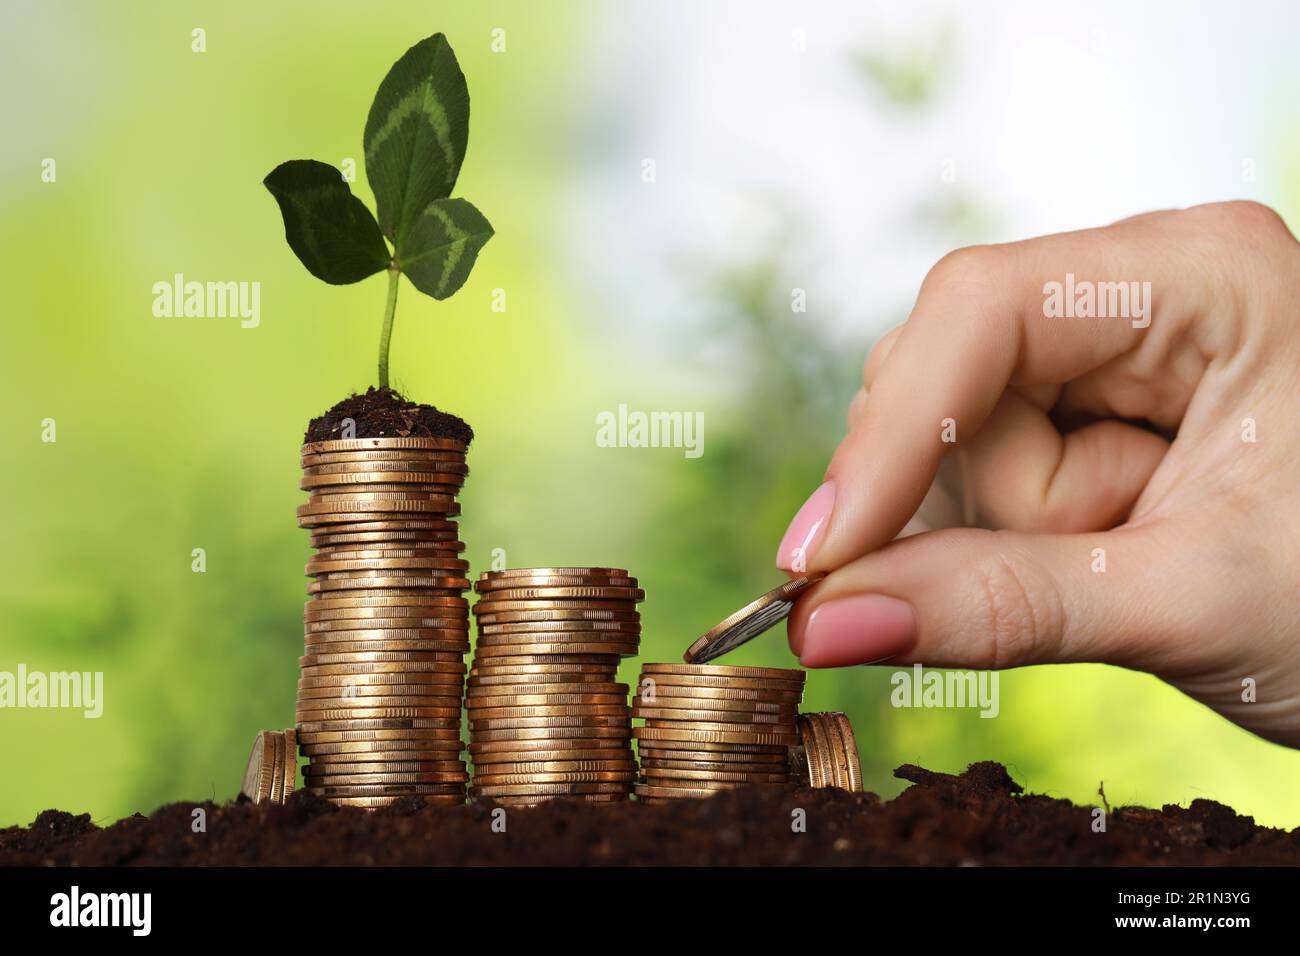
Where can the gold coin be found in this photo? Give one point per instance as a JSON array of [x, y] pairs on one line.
[[547, 700], [659, 747], [380, 657], [308, 713], [337, 523], [552, 581], [367, 458], [524, 643], [343, 628], [556, 637], [291, 761], [429, 706], [553, 572], [432, 525], [336, 520], [682, 710], [371, 444], [543, 723], [397, 489], [728, 683], [388, 552], [665, 751], [423, 678], [317, 566], [720, 698], [429, 692], [378, 803], [281, 759], [450, 464], [678, 793], [616, 709], [345, 479], [516, 735], [783, 709], [546, 789], [780, 768], [404, 597], [309, 736], [375, 503], [547, 664], [324, 541], [392, 778], [851, 751], [390, 790], [500, 754], [370, 647], [388, 667], [579, 798], [584, 593], [786, 729], [750, 621], [556, 766], [259, 774], [712, 736], [494, 780], [667, 776], [385, 749], [814, 751], [716, 670], [391, 613], [496, 606], [568, 627], [508, 650], [579, 683], [395, 762], [485, 615]]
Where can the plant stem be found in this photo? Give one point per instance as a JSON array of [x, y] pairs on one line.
[[386, 334]]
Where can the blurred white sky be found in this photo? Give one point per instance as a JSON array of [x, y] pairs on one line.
[[1053, 116]]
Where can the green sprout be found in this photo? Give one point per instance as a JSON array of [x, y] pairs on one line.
[[415, 141]]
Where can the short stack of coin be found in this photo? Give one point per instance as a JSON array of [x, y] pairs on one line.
[[709, 728], [387, 625], [827, 753], [546, 716]]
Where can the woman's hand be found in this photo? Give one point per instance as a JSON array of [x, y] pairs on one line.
[[1141, 471]]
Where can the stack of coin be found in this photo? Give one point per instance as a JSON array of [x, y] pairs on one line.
[[272, 770], [387, 625], [710, 728], [827, 752], [546, 717]]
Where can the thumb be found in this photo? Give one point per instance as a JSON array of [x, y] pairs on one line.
[[993, 599]]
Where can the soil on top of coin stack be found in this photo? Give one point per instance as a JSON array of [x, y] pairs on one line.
[[977, 817], [385, 413]]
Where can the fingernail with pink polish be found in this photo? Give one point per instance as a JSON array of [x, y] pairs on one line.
[[858, 630], [806, 530]]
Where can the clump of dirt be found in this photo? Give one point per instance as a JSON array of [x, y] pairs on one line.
[[385, 413], [977, 817]]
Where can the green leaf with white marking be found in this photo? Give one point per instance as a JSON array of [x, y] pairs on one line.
[[329, 229], [442, 245], [416, 135]]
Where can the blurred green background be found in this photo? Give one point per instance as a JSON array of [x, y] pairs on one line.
[[175, 434]]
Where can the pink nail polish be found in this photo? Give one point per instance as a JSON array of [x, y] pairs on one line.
[[862, 629], [806, 530]]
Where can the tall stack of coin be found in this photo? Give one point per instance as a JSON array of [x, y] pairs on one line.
[[387, 625], [709, 728], [546, 717]]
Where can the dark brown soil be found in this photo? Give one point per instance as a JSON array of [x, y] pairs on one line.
[[978, 817], [384, 413]]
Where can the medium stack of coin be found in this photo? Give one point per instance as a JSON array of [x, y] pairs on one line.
[[546, 717], [272, 771], [709, 728], [387, 625], [827, 752]]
